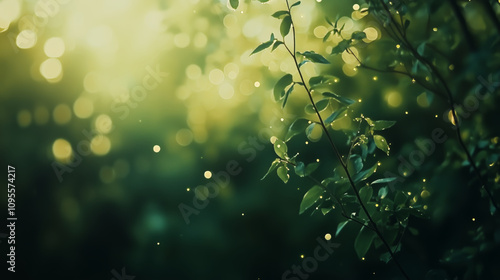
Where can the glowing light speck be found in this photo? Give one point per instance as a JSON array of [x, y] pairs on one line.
[[156, 148]]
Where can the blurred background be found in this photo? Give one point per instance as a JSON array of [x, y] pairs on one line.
[[117, 113]]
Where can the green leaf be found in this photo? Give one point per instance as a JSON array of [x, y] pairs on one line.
[[363, 175], [283, 174], [279, 88], [300, 169], [382, 125], [340, 188], [382, 192], [280, 148], [363, 241], [358, 35], [262, 47], [341, 46], [365, 193], [407, 24], [325, 211], [315, 57], [340, 99], [357, 163], [335, 115], [329, 21], [285, 25], [311, 167], [297, 127], [328, 34], [383, 180], [276, 44], [295, 4], [280, 14], [322, 104], [340, 226], [309, 129], [314, 81], [381, 143], [400, 198], [234, 3], [310, 197], [274, 165], [309, 109], [285, 99]]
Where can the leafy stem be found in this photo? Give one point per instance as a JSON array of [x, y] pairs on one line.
[[335, 149], [433, 69]]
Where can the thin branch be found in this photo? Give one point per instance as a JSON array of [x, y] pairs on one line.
[[451, 101], [338, 155]]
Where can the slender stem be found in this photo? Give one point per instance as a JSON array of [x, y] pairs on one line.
[[451, 101], [463, 24], [337, 153]]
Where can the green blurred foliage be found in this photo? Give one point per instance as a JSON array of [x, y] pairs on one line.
[[117, 204]]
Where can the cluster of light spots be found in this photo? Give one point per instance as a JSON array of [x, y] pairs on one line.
[[24, 118], [26, 39], [93, 82], [9, 12], [226, 91], [207, 174], [193, 71], [83, 107], [54, 47], [423, 100], [320, 31], [103, 124], [425, 194], [62, 114], [216, 76], [156, 148], [51, 69], [100, 145], [231, 70], [62, 150], [372, 34], [182, 40], [393, 98], [184, 137], [328, 236], [348, 58]]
